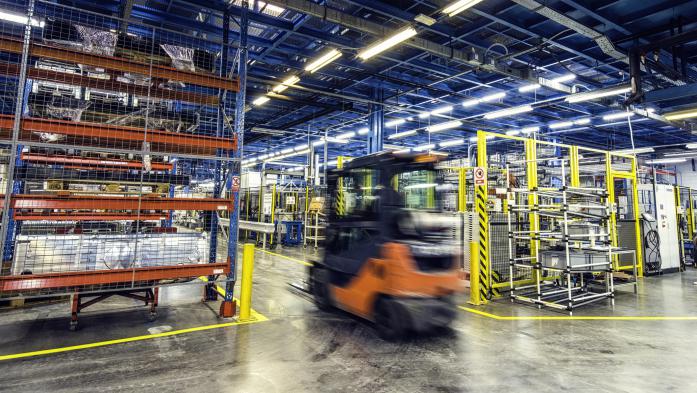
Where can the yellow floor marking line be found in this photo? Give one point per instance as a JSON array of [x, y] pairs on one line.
[[300, 261], [578, 318], [255, 318]]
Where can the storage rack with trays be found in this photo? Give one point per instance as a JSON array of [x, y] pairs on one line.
[[561, 206], [132, 134]]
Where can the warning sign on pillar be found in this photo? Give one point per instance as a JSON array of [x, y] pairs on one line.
[[479, 176], [235, 184]]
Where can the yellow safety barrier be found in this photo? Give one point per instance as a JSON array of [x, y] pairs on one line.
[[246, 284]]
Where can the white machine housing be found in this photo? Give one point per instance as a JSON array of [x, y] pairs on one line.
[[666, 222]]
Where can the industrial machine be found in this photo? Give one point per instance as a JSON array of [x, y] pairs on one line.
[[661, 205], [390, 254]]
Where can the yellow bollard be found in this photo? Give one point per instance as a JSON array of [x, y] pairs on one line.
[[246, 285]]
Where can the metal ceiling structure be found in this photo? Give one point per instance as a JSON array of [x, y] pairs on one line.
[[496, 46]]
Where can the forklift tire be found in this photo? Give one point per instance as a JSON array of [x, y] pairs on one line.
[[391, 321], [320, 288]]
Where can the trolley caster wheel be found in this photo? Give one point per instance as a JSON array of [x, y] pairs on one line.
[[73, 326], [152, 317]]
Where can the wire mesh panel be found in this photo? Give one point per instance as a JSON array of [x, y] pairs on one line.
[[120, 152]]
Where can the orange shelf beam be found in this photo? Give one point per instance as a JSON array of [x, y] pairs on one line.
[[91, 162], [90, 202], [88, 216], [160, 141], [110, 85], [118, 64], [31, 282]]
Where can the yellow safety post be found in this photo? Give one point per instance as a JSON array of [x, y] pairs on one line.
[[479, 263], [690, 215], [533, 200], [273, 208], [637, 224], [340, 204], [246, 284], [461, 190], [575, 174]]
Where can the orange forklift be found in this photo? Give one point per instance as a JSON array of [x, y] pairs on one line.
[[390, 253]]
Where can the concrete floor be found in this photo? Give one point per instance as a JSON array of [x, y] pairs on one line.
[[301, 349]]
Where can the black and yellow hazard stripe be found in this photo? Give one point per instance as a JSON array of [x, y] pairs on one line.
[[484, 285]]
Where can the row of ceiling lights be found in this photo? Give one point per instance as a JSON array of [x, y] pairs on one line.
[[365, 54]]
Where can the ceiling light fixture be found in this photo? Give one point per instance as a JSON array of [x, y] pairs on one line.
[[428, 146], [451, 142], [528, 88], [442, 109], [459, 6], [640, 150], [444, 126], [512, 132], [691, 146], [401, 134], [396, 122], [508, 112], [493, 97], [686, 114], [261, 101], [618, 115], [387, 43], [323, 61], [594, 95], [564, 78], [363, 131], [469, 103], [561, 124], [424, 115], [667, 161], [528, 130], [346, 135], [584, 121]]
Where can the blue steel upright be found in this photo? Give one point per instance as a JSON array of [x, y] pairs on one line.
[[234, 166], [376, 121]]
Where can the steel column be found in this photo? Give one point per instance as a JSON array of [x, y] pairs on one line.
[[376, 121]]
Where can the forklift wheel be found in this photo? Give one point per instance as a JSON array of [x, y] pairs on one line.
[[390, 320], [320, 288]]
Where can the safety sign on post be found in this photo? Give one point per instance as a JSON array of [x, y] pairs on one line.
[[479, 176], [235, 184]]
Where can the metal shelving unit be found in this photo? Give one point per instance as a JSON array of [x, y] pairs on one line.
[[129, 121], [569, 252]]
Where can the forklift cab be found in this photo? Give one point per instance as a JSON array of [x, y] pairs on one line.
[[390, 252]]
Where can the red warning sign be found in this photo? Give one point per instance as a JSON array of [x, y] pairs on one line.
[[235, 184], [479, 176]]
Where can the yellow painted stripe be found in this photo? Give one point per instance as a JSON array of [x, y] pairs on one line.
[[300, 261], [256, 317], [579, 317]]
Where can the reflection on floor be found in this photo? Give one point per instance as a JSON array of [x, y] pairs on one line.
[[301, 349]]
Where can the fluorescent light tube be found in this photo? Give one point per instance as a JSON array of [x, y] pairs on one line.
[[401, 134], [564, 78], [451, 142], [618, 115], [363, 131], [323, 60], [493, 97], [681, 115], [584, 121], [346, 135], [424, 147], [261, 101], [444, 126], [667, 161], [594, 95], [286, 151], [528, 130], [388, 43], [691, 146], [459, 6], [21, 19], [318, 143], [640, 150], [561, 124], [530, 87], [442, 109], [300, 147], [278, 89], [403, 151], [509, 112], [512, 132], [395, 122], [473, 139], [424, 115], [469, 103]]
